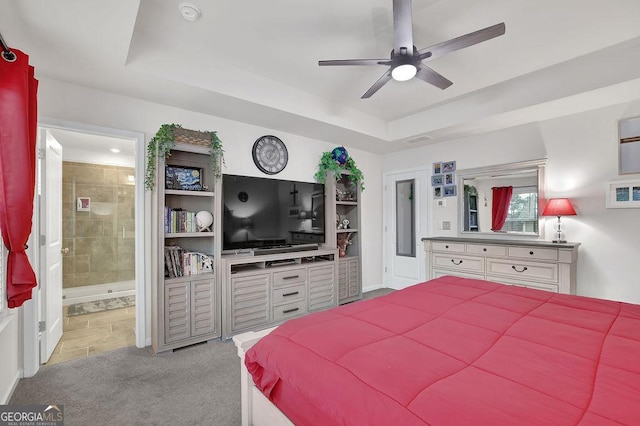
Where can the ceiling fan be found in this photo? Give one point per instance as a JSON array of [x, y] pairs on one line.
[[406, 61]]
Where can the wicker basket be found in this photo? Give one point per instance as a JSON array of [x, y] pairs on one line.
[[192, 137]]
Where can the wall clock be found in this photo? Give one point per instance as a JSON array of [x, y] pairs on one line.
[[270, 154]]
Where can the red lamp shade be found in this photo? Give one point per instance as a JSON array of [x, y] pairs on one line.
[[559, 207]]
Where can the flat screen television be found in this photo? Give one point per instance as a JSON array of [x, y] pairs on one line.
[[261, 213]]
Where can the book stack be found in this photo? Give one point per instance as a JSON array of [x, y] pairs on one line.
[[179, 221], [179, 262]]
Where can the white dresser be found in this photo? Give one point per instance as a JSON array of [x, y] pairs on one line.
[[530, 263]]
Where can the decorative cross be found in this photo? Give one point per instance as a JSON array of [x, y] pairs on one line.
[[293, 193]]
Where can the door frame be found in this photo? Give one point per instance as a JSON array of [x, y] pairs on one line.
[[423, 217], [31, 312]]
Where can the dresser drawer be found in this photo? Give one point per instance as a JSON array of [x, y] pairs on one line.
[[554, 288], [458, 263], [290, 310], [534, 253], [437, 273], [447, 246], [289, 277], [523, 270], [289, 294], [486, 249]]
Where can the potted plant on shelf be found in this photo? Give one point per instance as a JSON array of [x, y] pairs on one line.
[[162, 143], [337, 161]]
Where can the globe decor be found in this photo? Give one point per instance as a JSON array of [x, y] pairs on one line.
[[337, 161]]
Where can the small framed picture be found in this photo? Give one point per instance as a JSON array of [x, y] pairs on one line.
[[437, 192], [449, 191], [448, 166], [437, 180], [449, 179], [623, 194], [437, 168], [294, 211], [183, 178], [84, 204]]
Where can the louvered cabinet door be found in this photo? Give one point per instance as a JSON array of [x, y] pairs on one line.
[[343, 280], [177, 318], [202, 307], [353, 273], [250, 301], [321, 287]]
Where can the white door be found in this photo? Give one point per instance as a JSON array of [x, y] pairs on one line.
[[51, 251], [405, 225]]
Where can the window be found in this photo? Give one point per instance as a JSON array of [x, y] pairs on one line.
[[523, 210]]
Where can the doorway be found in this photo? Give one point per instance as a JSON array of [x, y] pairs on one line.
[[101, 227], [405, 201]]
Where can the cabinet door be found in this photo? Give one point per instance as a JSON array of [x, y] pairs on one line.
[[202, 307], [177, 320], [321, 287], [353, 277], [342, 280], [249, 301]]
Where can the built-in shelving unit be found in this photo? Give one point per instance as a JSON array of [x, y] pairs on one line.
[[343, 199], [186, 289]]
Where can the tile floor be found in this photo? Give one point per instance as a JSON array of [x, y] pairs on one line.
[[89, 334]]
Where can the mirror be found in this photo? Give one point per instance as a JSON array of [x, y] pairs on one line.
[[502, 199], [629, 146]]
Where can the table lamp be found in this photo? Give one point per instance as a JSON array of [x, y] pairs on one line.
[[559, 207]]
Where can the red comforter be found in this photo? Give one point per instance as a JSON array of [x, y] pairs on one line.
[[456, 351]]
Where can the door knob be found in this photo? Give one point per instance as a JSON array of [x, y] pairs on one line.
[[64, 250]]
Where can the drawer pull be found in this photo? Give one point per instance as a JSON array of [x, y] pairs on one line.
[[484, 249], [291, 277], [524, 268], [454, 262], [291, 294], [288, 311], [531, 253], [446, 246]]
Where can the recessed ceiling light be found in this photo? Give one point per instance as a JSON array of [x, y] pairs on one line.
[[189, 11], [114, 150]]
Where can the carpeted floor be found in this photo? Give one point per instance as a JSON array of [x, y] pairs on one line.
[[101, 305], [198, 385]]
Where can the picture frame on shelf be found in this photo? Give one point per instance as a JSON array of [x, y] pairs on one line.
[[183, 178], [623, 194], [449, 191]]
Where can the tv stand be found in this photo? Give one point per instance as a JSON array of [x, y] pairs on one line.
[[263, 291]]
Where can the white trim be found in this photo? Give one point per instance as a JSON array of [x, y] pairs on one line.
[[143, 312], [7, 397]]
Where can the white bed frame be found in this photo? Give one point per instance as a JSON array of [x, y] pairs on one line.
[[257, 410]]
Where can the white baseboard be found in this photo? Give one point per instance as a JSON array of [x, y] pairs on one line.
[[91, 293], [4, 400], [372, 287]]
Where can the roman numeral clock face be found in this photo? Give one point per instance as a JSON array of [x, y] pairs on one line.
[[270, 154]]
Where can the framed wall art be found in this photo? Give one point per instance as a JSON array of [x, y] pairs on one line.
[[623, 194]]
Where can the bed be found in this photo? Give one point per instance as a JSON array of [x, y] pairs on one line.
[[448, 351]]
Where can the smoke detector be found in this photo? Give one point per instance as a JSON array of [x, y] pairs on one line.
[[189, 11]]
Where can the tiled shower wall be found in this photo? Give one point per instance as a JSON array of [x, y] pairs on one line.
[[98, 253]]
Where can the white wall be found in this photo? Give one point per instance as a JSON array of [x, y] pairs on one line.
[[582, 152], [9, 351]]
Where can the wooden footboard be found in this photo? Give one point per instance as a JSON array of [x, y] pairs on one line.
[[257, 410]]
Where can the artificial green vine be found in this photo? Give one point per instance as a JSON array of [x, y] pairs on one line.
[[159, 146], [329, 164], [162, 143]]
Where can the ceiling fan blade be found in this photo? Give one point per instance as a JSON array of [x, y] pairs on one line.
[[402, 27], [377, 85], [355, 62], [430, 76], [463, 41]]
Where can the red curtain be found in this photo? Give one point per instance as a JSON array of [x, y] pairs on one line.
[[18, 119], [501, 198]]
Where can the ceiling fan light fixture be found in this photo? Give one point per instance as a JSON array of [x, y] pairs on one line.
[[404, 72]]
